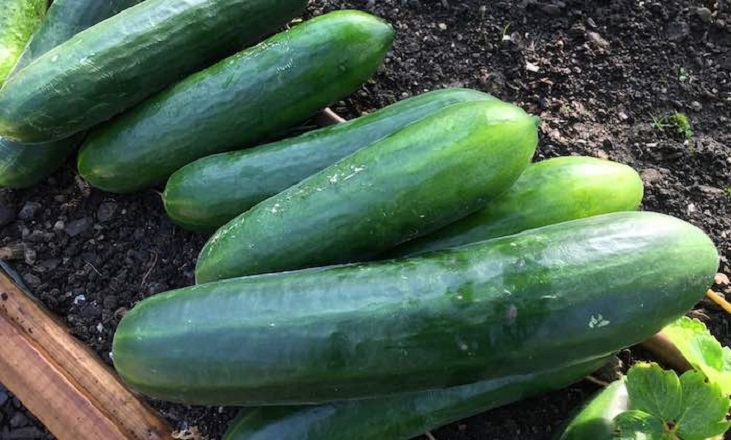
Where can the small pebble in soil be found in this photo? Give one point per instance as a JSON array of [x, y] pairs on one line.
[[677, 31], [29, 210], [31, 279], [704, 14], [79, 226], [7, 215], [696, 106], [19, 419], [106, 211]]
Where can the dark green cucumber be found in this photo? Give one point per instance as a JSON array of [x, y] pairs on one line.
[[115, 64], [551, 191], [429, 174], [400, 417], [239, 102], [23, 165], [210, 192], [18, 20], [512, 305], [595, 420]]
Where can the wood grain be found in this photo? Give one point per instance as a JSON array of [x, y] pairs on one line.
[[61, 381]]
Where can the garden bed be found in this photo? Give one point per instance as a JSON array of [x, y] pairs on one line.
[[603, 76]]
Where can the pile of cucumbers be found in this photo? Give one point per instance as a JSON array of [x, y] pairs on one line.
[[372, 279]]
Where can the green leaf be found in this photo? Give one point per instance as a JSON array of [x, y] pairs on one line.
[[654, 391], [704, 408], [638, 425], [702, 350]]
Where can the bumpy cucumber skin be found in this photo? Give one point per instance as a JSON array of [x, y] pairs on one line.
[[551, 191], [594, 421], [399, 417], [512, 305], [210, 192], [433, 172], [21, 165], [18, 20], [239, 102], [114, 65]]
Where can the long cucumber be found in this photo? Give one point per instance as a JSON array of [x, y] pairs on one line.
[[25, 165], [239, 102], [399, 417], [512, 305], [551, 191], [119, 62], [433, 172], [210, 192]]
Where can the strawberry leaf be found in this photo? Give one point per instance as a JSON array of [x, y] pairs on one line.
[[702, 350], [638, 425], [654, 391], [704, 408]]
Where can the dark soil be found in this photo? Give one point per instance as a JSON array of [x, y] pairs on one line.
[[597, 72]]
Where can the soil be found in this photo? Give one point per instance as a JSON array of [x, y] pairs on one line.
[[597, 72]]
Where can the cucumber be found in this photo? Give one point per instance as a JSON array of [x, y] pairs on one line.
[[400, 417], [239, 102], [523, 303], [115, 64], [551, 191], [21, 165], [595, 420], [433, 172], [210, 192], [18, 20]]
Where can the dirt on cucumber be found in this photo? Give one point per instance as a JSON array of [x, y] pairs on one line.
[[605, 77]]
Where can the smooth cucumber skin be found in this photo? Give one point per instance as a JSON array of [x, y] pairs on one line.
[[512, 305], [115, 64], [21, 165], [18, 20], [399, 417], [432, 173], [551, 191], [239, 102], [595, 420], [211, 191]]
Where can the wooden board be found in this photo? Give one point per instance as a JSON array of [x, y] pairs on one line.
[[61, 381]]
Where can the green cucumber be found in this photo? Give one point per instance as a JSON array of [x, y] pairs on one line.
[[18, 20], [523, 303], [21, 165], [400, 417], [429, 174], [241, 101], [210, 192], [595, 420], [117, 63], [551, 191]]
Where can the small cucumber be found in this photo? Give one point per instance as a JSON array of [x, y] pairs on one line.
[[595, 420], [433, 172], [18, 20], [528, 302], [400, 417], [21, 165], [239, 102], [210, 192], [115, 64], [551, 191]]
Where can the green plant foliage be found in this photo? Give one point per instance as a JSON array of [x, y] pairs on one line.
[[702, 350]]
